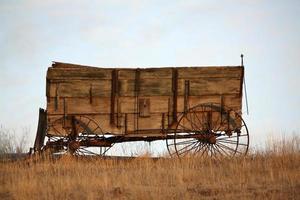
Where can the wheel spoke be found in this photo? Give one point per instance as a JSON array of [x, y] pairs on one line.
[[234, 136], [218, 147], [188, 150], [204, 149], [185, 128], [191, 123], [88, 151], [107, 149], [185, 147], [234, 150], [185, 142], [228, 142]]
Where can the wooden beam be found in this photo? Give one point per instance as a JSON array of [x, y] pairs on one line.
[[41, 130], [175, 93], [186, 94], [114, 82]]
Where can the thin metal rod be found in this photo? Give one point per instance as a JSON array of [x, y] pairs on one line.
[[245, 88], [246, 97]]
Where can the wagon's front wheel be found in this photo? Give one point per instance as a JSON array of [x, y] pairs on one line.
[[84, 137], [207, 130]]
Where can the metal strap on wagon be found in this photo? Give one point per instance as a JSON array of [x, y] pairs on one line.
[[175, 93]]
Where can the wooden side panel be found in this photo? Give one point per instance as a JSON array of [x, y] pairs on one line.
[[211, 86], [156, 73], [148, 87], [102, 105], [155, 87], [126, 87], [209, 72], [152, 122], [56, 125], [153, 82], [151, 73], [126, 74], [83, 88], [79, 73], [79, 106], [130, 122], [231, 101], [144, 107], [158, 104]]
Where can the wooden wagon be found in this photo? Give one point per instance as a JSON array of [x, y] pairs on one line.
[[196, 110]]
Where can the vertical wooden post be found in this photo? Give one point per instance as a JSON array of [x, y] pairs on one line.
[[221, 109], [136, 93], [169, 110], [228, 120], [186, 94], [241, 82], [56, 97], [91, 94], [163, 122], [125, 123], [65, 112], [41, 130], [114, 83], [74, 132], [209, 119], [175, 93]]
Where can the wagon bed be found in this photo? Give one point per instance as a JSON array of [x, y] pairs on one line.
[[92, 106]]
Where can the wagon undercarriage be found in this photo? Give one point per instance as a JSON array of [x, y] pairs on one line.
[[191, 136]]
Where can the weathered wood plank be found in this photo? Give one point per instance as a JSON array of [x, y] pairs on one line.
[[231, 101], [148, 87], [158, 104], [152, 122], [79, 106], [69, 65], [77, 88], [211, 86], [80, 73], [212, 72], [148, 73], [102, 105], [56, 125]]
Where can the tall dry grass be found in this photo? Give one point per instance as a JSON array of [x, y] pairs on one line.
[[270, 174]]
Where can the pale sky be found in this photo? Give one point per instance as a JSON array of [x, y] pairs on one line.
[[136, 33]]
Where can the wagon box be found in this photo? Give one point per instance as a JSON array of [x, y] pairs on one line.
[[195, 109]]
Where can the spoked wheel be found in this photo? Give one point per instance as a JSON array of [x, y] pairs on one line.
[[78, 138], [206, 130]]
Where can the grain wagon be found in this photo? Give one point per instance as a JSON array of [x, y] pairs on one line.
[[196, 110]]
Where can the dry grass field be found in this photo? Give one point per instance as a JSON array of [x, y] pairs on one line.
[[270, 174]]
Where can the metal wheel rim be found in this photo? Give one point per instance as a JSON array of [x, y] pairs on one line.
[[84, 123], [214, 151]]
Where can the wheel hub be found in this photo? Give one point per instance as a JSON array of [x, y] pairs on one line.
[[209, 138]]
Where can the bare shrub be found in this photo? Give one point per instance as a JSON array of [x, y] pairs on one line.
[[9, 143], [6, 141]]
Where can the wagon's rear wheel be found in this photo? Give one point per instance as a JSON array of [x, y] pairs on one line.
[[207, 130], [65, 141]]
